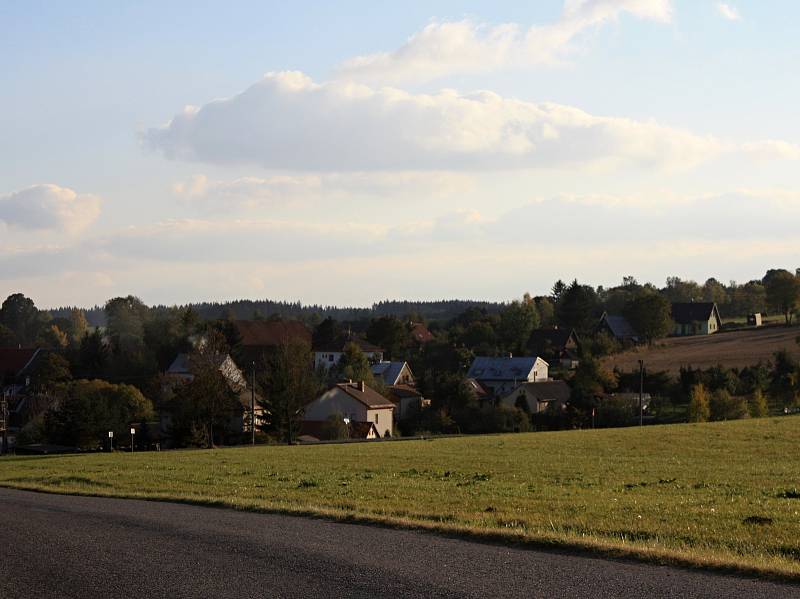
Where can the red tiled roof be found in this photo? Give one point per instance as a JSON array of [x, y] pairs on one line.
[[269, 333], [420, 333], [13, 360]]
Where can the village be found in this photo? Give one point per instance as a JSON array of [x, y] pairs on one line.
[[544, 363]]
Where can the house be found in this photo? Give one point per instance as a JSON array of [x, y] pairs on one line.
[[754, 320], [556, 344], [500, 375], [420, 333], [478, 390], [260, 337], [407, 400], [695, 318], [393, 373], [357, 403], [328, 355], [618, 327], [180, 372], [538, 396], [20, 402], [312, 431]]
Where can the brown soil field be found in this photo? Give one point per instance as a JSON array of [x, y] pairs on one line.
[[740, 348]]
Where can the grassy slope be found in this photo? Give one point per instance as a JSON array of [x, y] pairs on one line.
[[678, 494]]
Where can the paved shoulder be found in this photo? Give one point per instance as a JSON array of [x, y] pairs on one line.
[[60, 546]]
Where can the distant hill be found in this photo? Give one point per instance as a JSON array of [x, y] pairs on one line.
[[246, 309]]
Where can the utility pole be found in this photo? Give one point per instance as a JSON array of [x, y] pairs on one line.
[[4, 424], [641, 392], [253, 406]]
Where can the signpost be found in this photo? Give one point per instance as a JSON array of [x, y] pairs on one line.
[[111, 439], [133, 432]]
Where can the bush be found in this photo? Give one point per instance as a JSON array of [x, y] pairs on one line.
[[724, 406]]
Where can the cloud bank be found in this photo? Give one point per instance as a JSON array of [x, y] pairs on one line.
[[728, 12], [287, 121], [49, 207]]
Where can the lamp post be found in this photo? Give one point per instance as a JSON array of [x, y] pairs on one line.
[[641, 392]]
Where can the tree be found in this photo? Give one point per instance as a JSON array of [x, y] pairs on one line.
[[7, 337], [354, 365], [783, 292], [758, 404], [20, 315], [54, 337], [80, 325], [517, 322], [288, 384], [49, 371], [389, 333], [335, 428], [650, 315], [88, 410], [699, 408], [327, 333], [576, 307]]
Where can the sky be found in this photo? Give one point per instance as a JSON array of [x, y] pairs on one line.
[[344, 153]]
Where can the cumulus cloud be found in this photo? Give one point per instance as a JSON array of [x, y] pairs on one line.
[[728, 12], [258, 192], [49, 207], [287, 121], [446, 48]]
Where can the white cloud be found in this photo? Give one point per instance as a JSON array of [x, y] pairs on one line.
[[49, 206], [446, 48], [259, 192], [286, 121], [728, 12]]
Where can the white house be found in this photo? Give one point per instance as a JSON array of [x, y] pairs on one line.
[[328, 356], [355, 401], [499, 376], [537, 397]]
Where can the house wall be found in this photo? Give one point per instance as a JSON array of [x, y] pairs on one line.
[[328, 359], [382, 418], [333, 401], [708, 327]]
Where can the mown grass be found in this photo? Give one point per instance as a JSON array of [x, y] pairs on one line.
[[723, 495]]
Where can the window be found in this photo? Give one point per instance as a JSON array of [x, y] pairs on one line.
[[330, 357], [376, 419]]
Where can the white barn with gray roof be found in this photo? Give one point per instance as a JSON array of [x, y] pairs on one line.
[[500, 376]]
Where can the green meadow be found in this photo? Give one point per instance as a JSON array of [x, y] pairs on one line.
[[722, 495]]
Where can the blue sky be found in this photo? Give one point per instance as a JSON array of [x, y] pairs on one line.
[[349, 152]]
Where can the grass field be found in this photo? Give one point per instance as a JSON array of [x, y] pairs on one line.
[[723, 495], [732, 349]]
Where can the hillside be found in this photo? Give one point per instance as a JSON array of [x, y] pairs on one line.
[[732, 349]]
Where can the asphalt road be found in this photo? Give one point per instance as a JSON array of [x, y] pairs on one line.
[[60, 546]]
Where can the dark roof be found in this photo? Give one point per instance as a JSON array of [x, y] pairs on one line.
[[270, 333], [546, 390], [619, 326], [13, 360], [339, 345], [420, 333], [557, 338], [388, 371], [689, 312], [369, 397], [361, 430], [404, 391], [485, 368]]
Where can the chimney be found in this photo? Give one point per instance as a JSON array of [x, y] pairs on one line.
[[362, 387]]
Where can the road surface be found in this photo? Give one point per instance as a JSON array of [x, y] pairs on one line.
[[61, 546]]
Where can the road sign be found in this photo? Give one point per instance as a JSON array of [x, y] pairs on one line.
[[133, 431], [110, 434]]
